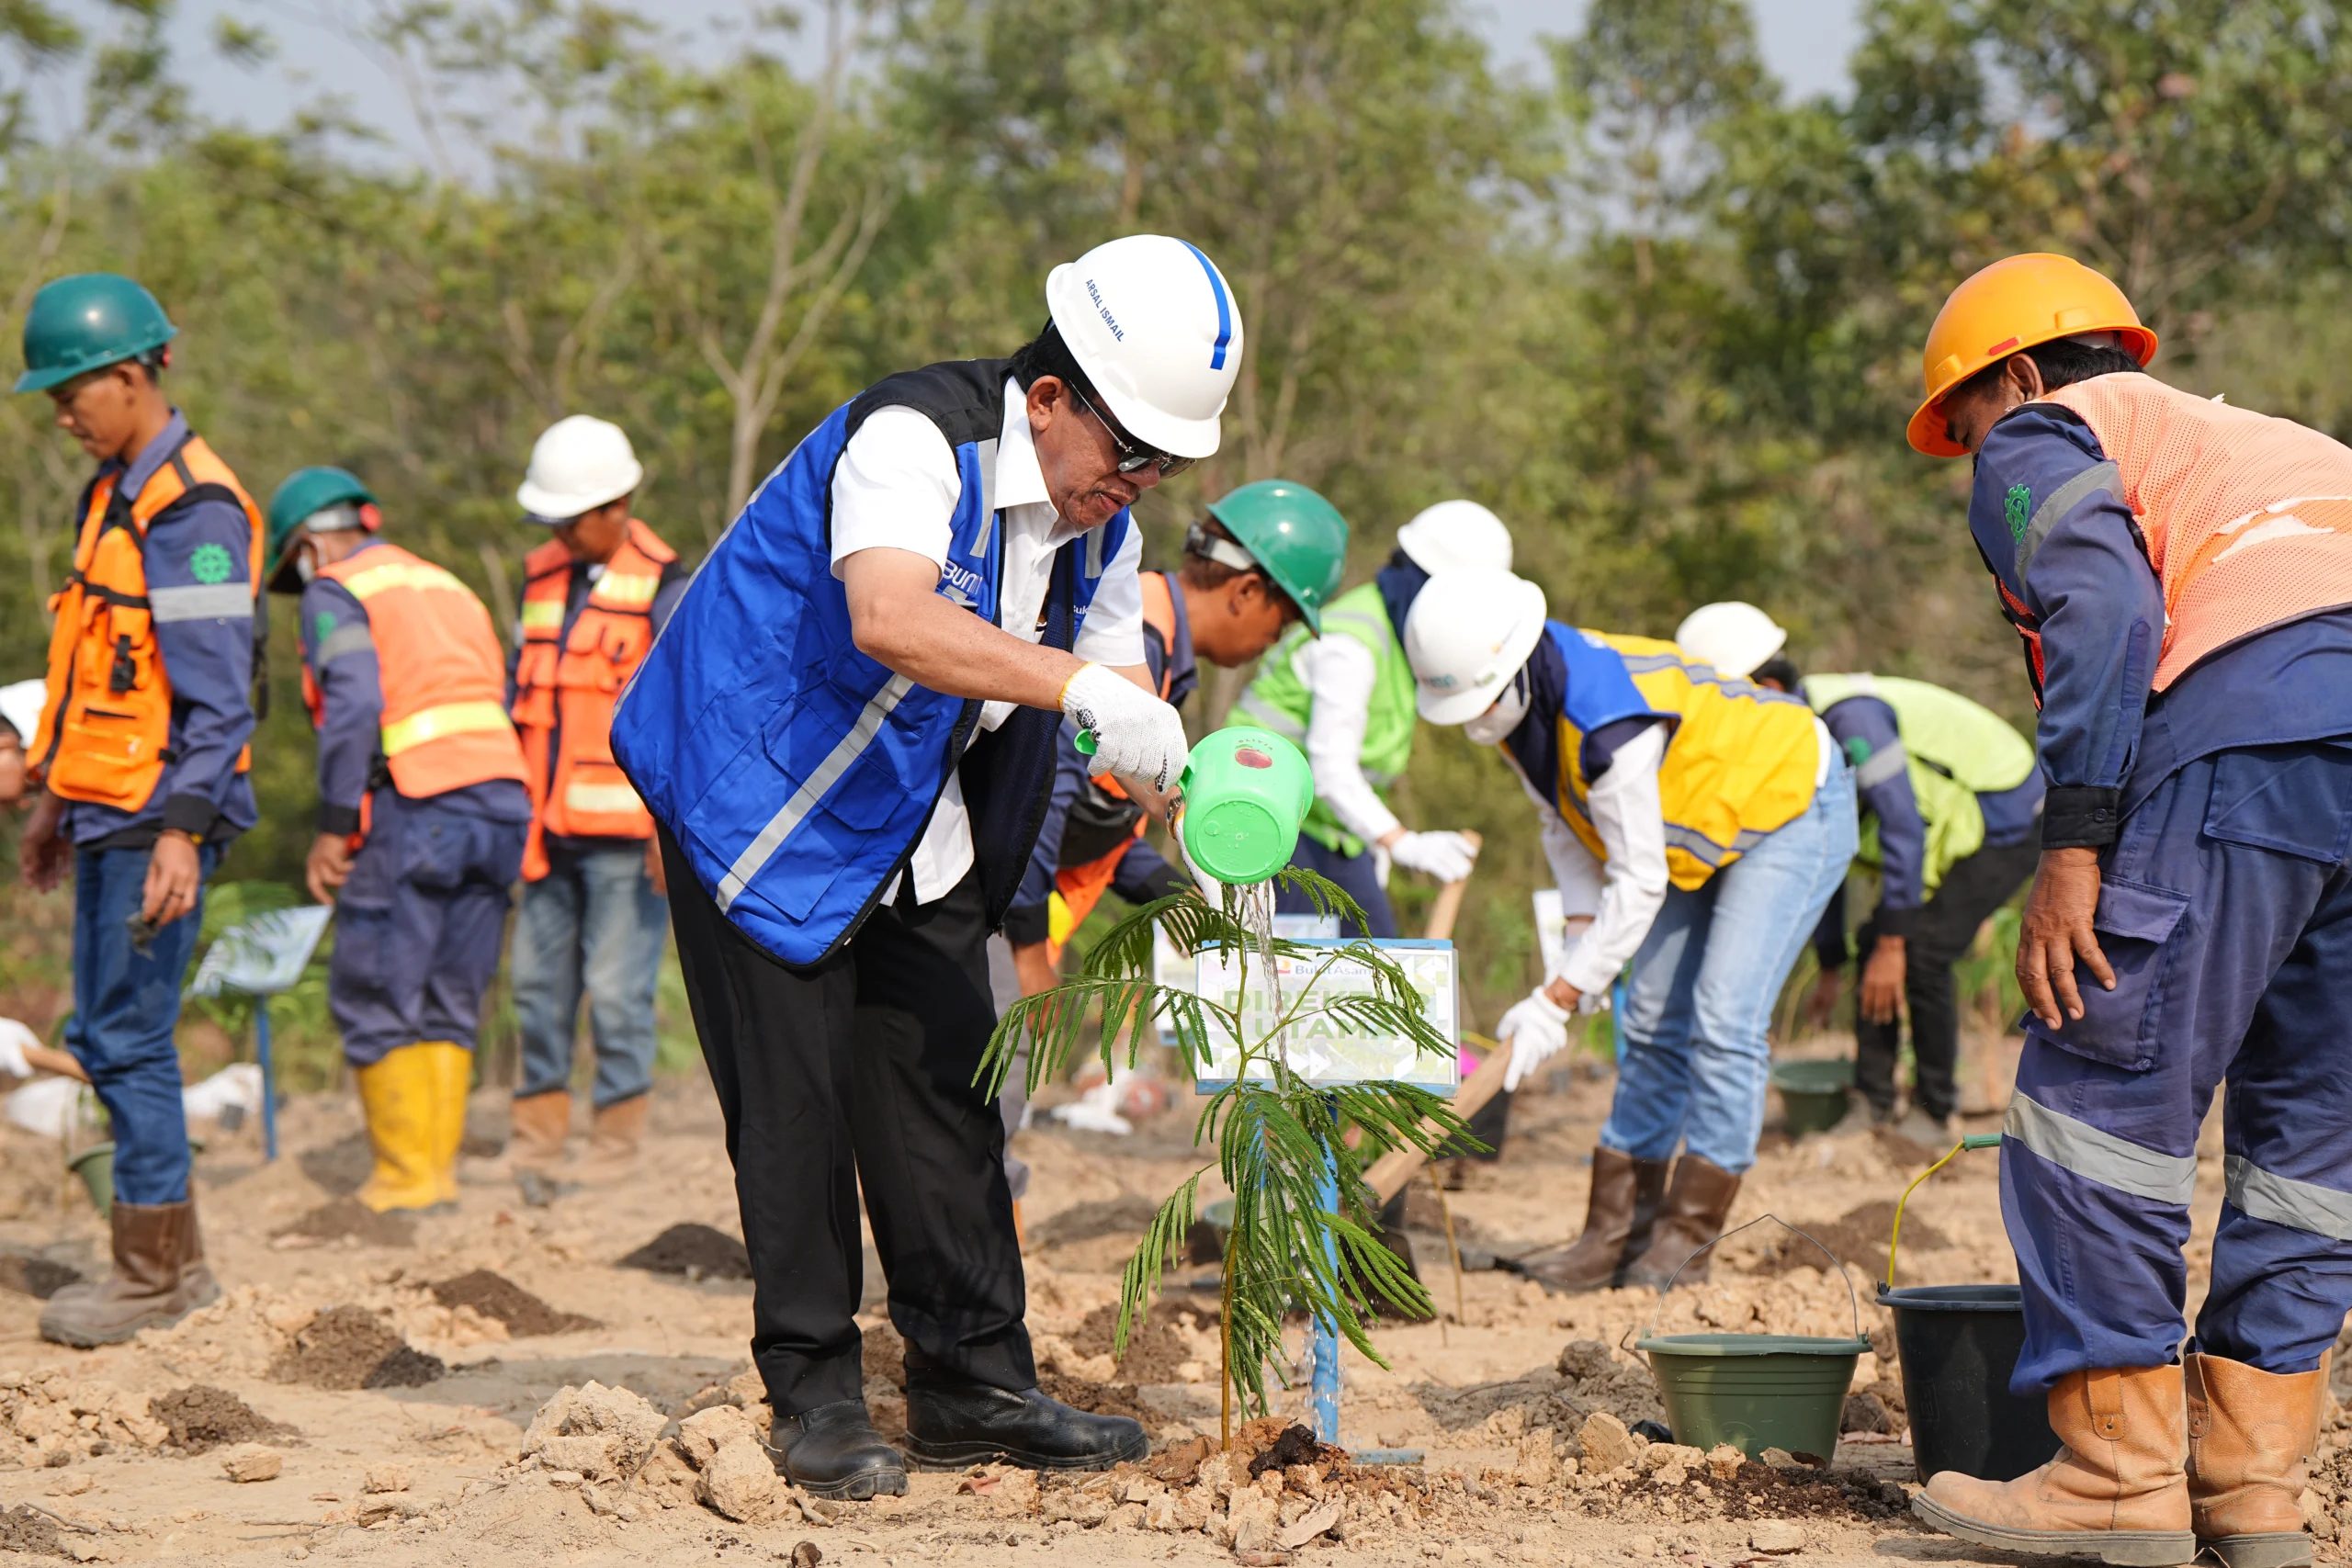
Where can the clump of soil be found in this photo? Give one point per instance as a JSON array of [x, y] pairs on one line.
[[699, 1252], [1155, 1347], [1857, 1236], [350, 1347], [1760, 1492], [35, 1276], [201, 1417], [1097, 1398], [28, 1530], [350, 1217], [1295, 1445], [495, 1295]]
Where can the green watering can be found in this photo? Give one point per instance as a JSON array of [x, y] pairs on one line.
[[1240, 803]]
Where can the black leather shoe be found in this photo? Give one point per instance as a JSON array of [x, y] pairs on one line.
[[834, 1451], [953, 1422]]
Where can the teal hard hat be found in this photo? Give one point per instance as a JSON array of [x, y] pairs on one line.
[[1298, 537], [303, 495], [85, 321]]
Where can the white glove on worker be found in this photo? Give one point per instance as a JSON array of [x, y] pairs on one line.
[[14, 1038], [1537, 1030], [1446, 856], [1135, 734]]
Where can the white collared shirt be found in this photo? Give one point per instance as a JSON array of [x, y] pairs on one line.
[[897, 487]]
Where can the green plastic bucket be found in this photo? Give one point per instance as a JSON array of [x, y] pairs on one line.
[[1813, 1094], [1755, 1391], [94, 1165], [1247, 790]]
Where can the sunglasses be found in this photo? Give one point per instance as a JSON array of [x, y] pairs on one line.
[[1133, 453]]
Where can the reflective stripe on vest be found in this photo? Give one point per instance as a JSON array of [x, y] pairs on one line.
[[444, 724], [106, 724], [2247, 518], [1740, 762], [566, 683], [1953, 749], [1278, 699]]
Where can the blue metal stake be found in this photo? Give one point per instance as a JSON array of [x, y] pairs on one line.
[[1325, 1348], [1617, 1015], [268, 1077]]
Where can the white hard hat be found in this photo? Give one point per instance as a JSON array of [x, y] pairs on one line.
[[577, 464], [1454, 535], [1153, 325], [1732, 637], [20, 706], [1466, 636]]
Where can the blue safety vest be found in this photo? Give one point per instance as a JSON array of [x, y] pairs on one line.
[[795, 772]]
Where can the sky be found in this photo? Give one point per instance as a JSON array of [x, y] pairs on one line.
[[1805, 42]]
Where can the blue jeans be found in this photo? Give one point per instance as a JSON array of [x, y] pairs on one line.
[[126, 1005], [1356, 875], [593, 923], [417, 926], [2225, 910], [1700, 1003]]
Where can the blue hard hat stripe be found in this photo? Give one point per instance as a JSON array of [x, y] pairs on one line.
[[1224, 307]]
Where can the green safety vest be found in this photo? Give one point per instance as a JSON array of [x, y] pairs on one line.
[[1953, 749], [1279, 701]]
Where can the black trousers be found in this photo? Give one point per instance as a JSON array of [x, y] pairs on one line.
[[1940, 936], [858, 1073]]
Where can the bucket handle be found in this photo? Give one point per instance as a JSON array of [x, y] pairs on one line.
[[1838, 1264], [1973, 1141]]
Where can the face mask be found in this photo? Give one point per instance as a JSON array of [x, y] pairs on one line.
[[1490, 726]]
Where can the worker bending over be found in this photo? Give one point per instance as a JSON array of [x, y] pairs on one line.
[[1702, 823], [1952, 808], [593, 919], [142, 762], [421, 818], [20, 706], [847, 734], [2180, 571], [1346, 700]]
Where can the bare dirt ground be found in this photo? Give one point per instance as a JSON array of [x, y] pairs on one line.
[[396, 1391]]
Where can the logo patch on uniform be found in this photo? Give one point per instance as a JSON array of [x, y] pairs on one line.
[[322, 626], [210, 563], [1858, 751], [2020, 508]]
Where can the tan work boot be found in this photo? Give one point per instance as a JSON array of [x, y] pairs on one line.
[[1691, 1216], [1618, 1218], [2249, 1433], [159, 1277], [614, 1137], [2117, 1489]]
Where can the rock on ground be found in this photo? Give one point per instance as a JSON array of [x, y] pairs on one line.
[[252, 1461], [739, 1481], [604, 1433], [1777, 1535]]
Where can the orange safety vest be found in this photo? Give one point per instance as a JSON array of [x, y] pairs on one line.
[[2247, 519], [445, 723], [106, 728], [1078, 888], [565, 688]]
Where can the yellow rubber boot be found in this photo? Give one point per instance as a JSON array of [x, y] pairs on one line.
[[453, 1080], [398, 1095]]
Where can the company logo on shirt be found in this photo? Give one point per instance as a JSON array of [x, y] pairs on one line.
[[2020, 505], [960, 583]]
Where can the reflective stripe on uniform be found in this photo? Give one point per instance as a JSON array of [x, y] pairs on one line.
[[2299, 1205], [542, 614], [1701, 848], [1881, 766], [342, 640], [578, 796], [2102, 477], [204, 602], [1265, 717], [2100, 1157], [400, 574], [627, 590], [847, 750], [449, 718]]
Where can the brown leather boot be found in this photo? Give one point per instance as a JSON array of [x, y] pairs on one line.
[[1690, 1217], [537, 1124], [159, 1277], [2118, 1490], [2249, 1433], [613, 1139], [1617, 1221]]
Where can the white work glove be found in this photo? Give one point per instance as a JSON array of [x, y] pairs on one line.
[[14, 1038], [1135, 734], [1446, 856], [1537, 1030]]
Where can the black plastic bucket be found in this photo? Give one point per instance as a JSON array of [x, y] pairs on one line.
[[1958, 1345]]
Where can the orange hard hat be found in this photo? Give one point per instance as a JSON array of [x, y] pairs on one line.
[[2014, 304]]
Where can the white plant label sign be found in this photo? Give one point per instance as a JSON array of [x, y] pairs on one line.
[[1320, 1048]]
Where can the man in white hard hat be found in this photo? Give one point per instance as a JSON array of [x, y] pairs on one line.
[[592, 920], [1951, 806], [846, 734], [1696, 826], [1346, 700]]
